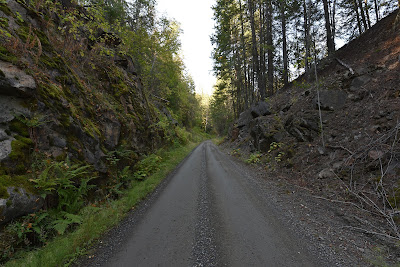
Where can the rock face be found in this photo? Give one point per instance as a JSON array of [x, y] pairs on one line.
[[62, 112], [264, 131], [302, 128], [260, 109], [15, 82], [9, 107], [244, 119], [19, 203], [331, 100]]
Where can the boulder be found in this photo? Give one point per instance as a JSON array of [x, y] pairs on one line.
[[304, 129], [264, 131], [260, 109], [9, 107], [359, 82], [331, 100], [19, 203], [15, 82], [244, 119]]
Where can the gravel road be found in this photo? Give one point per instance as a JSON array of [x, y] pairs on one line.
[[207, 213]]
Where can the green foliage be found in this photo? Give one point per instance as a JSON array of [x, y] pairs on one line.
[[254, 158], [274, 146], [36, 120], [221, 108], [236, 152], [64, 221], [68, 181], [96, 220], [183, 135], [146, 167]]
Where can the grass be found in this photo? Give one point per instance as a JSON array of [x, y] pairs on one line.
[[97, 220]]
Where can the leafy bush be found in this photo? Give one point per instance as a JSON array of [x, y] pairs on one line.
[[254, 158], [183, 135]]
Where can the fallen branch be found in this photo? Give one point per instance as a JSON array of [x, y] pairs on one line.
[[165, 100], [338, 201], [346, 66], [340, 147], [371, 232]]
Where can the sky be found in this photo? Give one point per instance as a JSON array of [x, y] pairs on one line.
[[195, 18]]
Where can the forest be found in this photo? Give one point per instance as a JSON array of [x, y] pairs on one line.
[[262, 46]]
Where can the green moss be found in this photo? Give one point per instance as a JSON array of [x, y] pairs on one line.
[[5, 9], [4, 22], [64, 120], [90, 128], [44, 40], [5, 55], [8, 203], [120, 89], [51, 90], [2, 74], [26, 33], [53, 63], [20, 148], [3, 192], [18, 127], [16, 181]]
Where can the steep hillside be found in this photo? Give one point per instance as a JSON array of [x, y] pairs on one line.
[[353, 160], [75, 117]]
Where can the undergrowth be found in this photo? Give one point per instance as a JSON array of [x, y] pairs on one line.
[[66, 235]]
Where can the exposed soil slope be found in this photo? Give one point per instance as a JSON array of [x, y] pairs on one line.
[[348, 172]]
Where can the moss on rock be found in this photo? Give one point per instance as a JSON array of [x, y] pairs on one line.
[[20, 147], [5, 9], [15, 181], [5, 55], [18, 127], [3, 192]]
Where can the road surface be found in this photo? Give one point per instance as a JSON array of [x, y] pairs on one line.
[[208, 214]]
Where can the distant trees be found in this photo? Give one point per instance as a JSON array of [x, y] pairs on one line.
[[153, 43], [260, 45]]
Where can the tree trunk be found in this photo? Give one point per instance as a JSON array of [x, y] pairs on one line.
[[377, 10], [261, 78], [270, 46], [329, 39], [306, 39], [357, 16], [333, 21], [256, 65], [246, 87], [360, 5], [284, 45], [367, 13]]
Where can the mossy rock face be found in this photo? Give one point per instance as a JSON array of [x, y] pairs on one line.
[[18, 160], [53, 63], [19, 203], [3, 192], [5, 55], [5, 9], [19, 128], [22, 181], [4, 22]]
